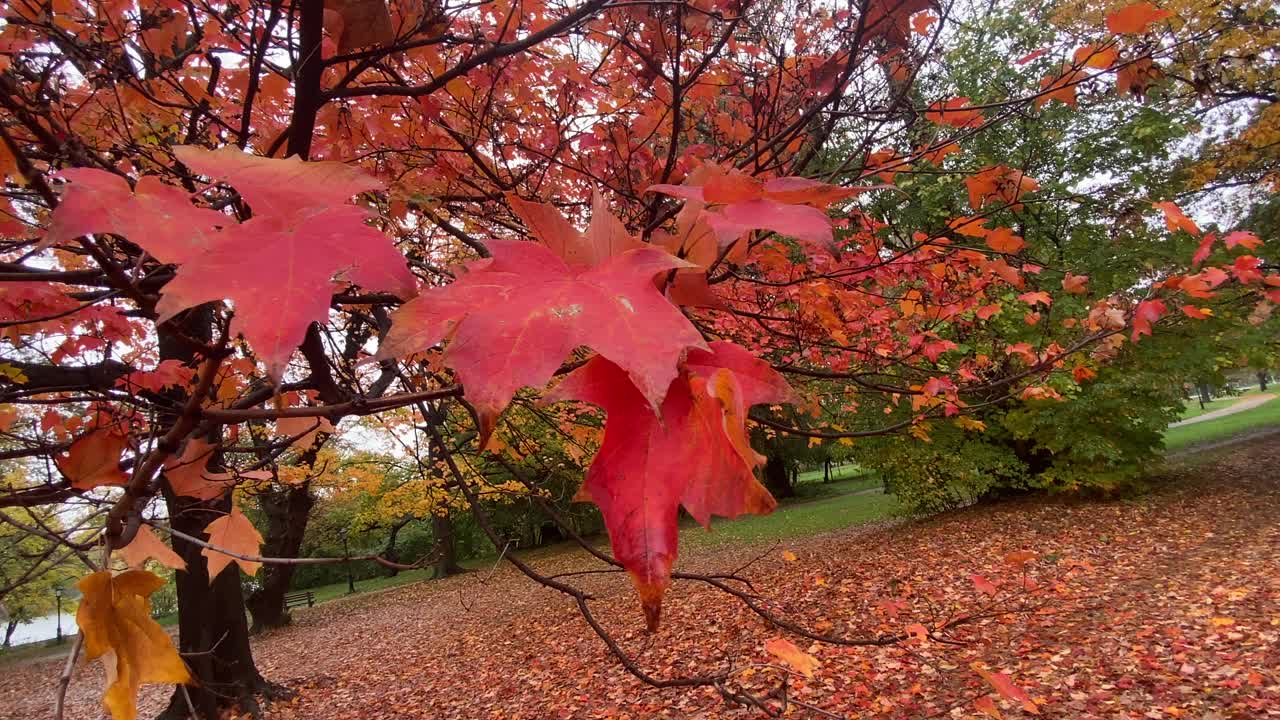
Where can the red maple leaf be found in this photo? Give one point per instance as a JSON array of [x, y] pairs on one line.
[[1148, 312], [277, 268], [604, 238], [547, 310], [790, 206], [695, 453]]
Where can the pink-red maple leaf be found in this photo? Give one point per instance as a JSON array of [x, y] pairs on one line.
[[695, 453], [513, 318], [605, 237], [1147, 312], [790, 206], [277, 268]]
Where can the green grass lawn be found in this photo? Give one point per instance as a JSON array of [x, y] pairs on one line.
[[1203, 432], [839, 472], [838, 505]]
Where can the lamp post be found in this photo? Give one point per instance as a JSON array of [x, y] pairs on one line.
[[351, 582], [57, 593]]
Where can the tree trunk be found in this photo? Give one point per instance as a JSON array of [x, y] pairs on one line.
[[1262, 381], [1206, 395], [213, 635], [777, 477], [389, 551], [287, 512], [10, 627], [826, 470], [446, 546]]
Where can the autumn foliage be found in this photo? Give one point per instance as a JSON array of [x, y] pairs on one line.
[[228, 228]]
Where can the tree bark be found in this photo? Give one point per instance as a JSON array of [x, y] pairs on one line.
[[1262, 381], [446, 549], [213, 635], [287, 511], [777, 477], [389, 551], [10, 627]]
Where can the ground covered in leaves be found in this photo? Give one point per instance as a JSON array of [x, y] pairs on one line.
[[1167, 606]]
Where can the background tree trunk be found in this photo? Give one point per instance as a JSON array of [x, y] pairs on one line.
[[446, 549], [777, 477], [287, 511], [389, 551], [9, 628]]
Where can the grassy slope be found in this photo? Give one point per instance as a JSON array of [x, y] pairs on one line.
[[1264, 415]]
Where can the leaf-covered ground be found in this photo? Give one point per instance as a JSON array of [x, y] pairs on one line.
[[1163, 607]]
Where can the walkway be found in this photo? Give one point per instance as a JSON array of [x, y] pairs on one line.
[[1248, 403]]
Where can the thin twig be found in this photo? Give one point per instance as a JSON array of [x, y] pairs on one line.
[[64, 680]]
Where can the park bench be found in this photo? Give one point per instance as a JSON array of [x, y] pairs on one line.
[[298, 599]]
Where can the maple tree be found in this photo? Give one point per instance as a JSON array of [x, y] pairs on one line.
[[218, 217]]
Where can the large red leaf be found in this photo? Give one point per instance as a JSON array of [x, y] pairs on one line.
[[695, 453], [96, 201], [277, 268], [605, 236], [279, 189], [545, 310], [281, 279]]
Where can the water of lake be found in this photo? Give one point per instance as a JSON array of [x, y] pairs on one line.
[[45, 628]]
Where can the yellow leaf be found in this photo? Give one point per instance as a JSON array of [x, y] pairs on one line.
[[115, 618], [146, 545], [788, 556], [799, 660], [232, 532], [1222, 621]]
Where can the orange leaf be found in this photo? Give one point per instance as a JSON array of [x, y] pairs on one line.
[[956, 112], [188, 474], [232, 532], [1003, 240], [789, 556], [1095, 57], [306, 430], [115, 620], [1022, 557], [1075, 284], [1004, 685], [922, 22], [146, 545], [987, 706], [799, 660], [1241, 237], [916, 631], [1136, 18], [94, 459], [1175, 219], [1039, 296]]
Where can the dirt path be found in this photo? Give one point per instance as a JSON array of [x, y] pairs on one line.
[[1163, 607], [1248, 403]]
